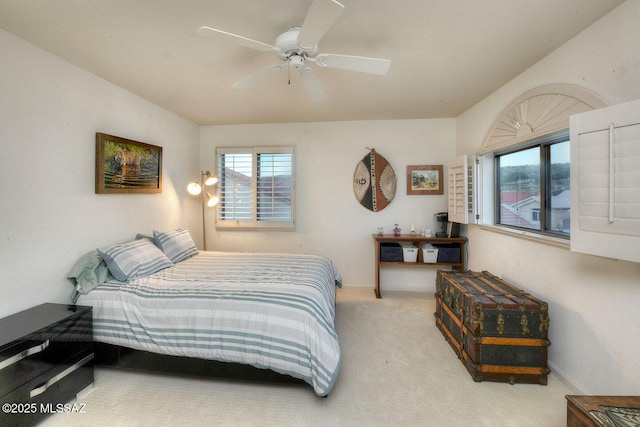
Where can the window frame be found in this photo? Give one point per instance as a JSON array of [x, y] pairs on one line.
[[254, 223], [544, 144]]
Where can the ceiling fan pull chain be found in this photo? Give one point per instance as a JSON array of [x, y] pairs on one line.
[[289, 82]]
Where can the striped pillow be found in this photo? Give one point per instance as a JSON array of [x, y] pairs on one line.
[[134, 259], [177, 245]]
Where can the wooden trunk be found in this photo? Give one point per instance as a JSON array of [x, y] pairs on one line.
[[499, 332]]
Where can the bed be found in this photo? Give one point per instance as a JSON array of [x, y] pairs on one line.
[[268, 310]]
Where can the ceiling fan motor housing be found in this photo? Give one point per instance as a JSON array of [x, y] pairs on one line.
[[287, 42]]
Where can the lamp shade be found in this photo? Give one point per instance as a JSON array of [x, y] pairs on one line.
[[210, 179], [194, 188], [212, 200]]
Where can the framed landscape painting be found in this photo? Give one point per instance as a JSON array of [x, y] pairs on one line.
[[126, 166], [425, 179]]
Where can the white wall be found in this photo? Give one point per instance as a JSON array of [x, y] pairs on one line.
[[594, 302], [49, 214], [330, 221], [50, 111]]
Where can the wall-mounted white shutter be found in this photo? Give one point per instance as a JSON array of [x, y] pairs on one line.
[[460, 195], [605, 182]]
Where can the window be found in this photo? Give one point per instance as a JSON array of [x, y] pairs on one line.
[[532, 186], [535, 214], [529, 138], [257, 188]]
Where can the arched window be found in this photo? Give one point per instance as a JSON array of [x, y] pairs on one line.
[[525, 161]]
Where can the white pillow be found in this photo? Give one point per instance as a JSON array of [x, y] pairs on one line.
[[177, 245], [134, 259]]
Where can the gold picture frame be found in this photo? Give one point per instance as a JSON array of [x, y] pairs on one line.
[[425, 179], [127, 166]]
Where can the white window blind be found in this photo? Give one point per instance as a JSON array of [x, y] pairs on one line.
[[257, 188], [605, 182]]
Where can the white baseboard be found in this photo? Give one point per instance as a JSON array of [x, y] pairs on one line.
[[565, 379]]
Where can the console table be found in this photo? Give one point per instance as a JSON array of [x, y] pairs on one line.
[[460, 242]]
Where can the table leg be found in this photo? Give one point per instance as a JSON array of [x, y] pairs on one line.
[[377, 288]]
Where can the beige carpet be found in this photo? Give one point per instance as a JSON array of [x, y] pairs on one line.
[[397, 370]]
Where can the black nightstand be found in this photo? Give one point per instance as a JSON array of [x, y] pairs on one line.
[[46, 358]]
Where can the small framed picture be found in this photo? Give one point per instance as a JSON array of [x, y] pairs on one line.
[[425, 179], [126, 166]]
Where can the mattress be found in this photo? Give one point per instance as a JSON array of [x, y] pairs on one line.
[[271, 311]]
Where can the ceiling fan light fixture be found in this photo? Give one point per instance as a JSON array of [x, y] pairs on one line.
[[296, 61]]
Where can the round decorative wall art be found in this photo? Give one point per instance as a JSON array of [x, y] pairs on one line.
[[374, 182]]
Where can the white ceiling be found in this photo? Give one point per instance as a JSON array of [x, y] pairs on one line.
[[446, 55]]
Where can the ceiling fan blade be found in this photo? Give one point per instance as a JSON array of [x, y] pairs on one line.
[[243, 41], [321, 16], [252, 79], [312, 84], [354, 63]]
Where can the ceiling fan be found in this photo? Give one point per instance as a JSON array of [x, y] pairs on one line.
[[298, 47]]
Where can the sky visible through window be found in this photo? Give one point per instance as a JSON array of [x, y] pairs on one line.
[[560, 154], [275, 164]]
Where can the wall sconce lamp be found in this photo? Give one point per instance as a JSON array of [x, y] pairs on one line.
[[198, 187]]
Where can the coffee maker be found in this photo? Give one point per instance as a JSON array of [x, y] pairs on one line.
[[442, 218], [444, 228]]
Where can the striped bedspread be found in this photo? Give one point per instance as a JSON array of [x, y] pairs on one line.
[[273, 311]]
